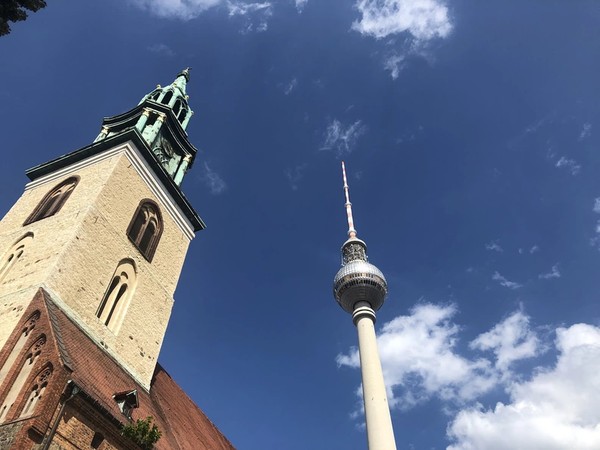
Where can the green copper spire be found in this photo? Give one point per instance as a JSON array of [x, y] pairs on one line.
[[161, 118]]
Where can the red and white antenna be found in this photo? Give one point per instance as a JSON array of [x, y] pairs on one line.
[[351, 230]]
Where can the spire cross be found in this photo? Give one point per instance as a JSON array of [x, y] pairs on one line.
[[351, 230]]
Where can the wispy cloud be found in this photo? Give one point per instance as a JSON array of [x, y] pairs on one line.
[[295, 175], [256, 15], [342, 139], [596, 207], [554, 273], [504, 282], [586, 131], [290, 86], [423, 19], [494, 246], [177, 9], [212, 179], [300, 4], [511, 340], [534, 249], [161, 49], [568, 164]]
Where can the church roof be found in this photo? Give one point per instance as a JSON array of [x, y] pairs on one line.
[[183, 425]]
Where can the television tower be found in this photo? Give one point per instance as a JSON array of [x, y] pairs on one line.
[[360, 289]]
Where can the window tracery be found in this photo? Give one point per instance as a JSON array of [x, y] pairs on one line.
[[26, 368], [146, 228], [53, 201], [37, 391], [13, 255], [116, 299], [16, 350]]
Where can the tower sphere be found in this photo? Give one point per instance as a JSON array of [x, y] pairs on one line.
[[359, 281]]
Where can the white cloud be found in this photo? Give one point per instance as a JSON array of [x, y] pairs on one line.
[[342, 139], [300, 4], [534, 249], [256, 15], [289, 87], [161, 49], [177, 9], [422, 19], [419, 359], [494, 246], [586, 131], [510, 340], [554, 273], [504, 282], [295, 175], [596, 208], [568, 164], [557, 409], [394, 64], [212, 180]]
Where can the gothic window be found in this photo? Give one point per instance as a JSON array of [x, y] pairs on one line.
[[26, 369], [167, 98], [156, 94], [53, 200], [116, 299], [13, 255], [37, 391], [29, 325], [151, 119], [177, 107], [146, 228], [182, 115]]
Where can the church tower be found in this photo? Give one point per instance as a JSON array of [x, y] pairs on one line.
[[91, 255]]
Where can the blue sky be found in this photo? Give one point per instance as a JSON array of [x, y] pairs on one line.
[[470, 131]]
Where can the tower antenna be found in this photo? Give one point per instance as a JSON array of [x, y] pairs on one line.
[[351, 230]]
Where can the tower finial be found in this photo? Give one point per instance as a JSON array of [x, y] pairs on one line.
[[351, 230]]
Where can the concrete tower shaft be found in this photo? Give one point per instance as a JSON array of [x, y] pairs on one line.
[[360, 289]]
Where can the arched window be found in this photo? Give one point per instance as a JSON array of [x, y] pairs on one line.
[[37, 391], [182, 115], [116, 299], [26, 368], [146, 228], [28, 326], [167, 98], [53, 200], [13, 255], [177, 107]]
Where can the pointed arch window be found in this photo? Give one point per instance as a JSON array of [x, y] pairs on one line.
[[182, 115], [14, 255], [177, 107], [26, 368], [53, 201], [145, 228], [37, 391], [116, 299], [28, 326], [167, 97]]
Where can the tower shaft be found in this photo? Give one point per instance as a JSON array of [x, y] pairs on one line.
[[380, 433]]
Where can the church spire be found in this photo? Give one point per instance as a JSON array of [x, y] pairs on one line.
[[160, 118]]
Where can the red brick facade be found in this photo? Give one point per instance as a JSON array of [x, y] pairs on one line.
[[77, 407]]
